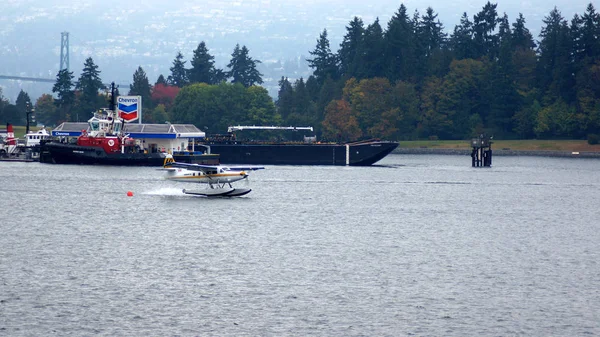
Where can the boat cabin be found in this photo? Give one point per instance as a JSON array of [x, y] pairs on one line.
[[33, 138]]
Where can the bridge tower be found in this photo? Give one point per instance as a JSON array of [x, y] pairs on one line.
[[64, 51]]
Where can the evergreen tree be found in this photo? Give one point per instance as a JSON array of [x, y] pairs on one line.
[[3, 104], [141, 87], [178, 77], [351, 50], [432, 39], [285, 98], [374, 47], [161, 80], [484, 24], [324, 63], [23, 104], [461, 41], [503, 96], [400, 47], [555, 73], [590, 35], [521, 37], [242, 68], [203, 66], [301, 109], [63, 87], [89, 84]]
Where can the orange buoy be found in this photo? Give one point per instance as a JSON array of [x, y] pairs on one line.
[[129, 194]]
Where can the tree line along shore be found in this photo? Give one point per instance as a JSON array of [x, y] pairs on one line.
[[403, 80]]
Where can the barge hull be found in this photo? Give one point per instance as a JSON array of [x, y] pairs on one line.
[[359, 154], [60, 153]]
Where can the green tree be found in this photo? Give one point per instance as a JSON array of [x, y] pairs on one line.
[[88, 85], [161, 80], [3, 104], [63, 87], [434, 122], [203, 66], [484, 25], [557, 120], [285, 98], [461, 40], [406, 98], [158, 115], [141, 87], [400, 47], [555, 69], [590, 35], [23, 104], [45, 110], [433, 59], [242, 68], [323, 62], [261, 109], [179, 75], [351, 50], [373, 64], [373, 102]]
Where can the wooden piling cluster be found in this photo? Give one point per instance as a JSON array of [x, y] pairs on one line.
[[481, 155]]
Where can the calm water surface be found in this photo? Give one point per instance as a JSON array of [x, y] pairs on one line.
[[421, 245]]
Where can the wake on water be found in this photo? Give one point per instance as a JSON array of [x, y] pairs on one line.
[[166, 191]]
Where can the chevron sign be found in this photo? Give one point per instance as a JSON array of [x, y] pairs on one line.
[[129, 108]]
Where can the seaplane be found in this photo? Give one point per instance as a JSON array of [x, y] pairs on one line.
[[218, 177]]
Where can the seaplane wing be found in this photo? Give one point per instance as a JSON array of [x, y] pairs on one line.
[[207, 168]]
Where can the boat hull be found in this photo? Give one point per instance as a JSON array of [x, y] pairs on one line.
[[61, 153], [356, 154]]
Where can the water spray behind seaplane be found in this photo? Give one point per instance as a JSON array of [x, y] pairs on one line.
[[218, 177]]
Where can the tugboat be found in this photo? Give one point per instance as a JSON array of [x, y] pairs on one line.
[[107, 141], [103, 144]]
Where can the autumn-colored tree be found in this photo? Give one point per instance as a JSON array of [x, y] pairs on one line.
[[340, 122], [372, 99], [164, 94]]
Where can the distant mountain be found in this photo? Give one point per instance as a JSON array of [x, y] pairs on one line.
[[121, 36]]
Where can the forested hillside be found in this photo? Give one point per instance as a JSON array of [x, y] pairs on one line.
[[409, 78]]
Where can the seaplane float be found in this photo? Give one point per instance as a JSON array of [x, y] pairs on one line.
[[218, 177]]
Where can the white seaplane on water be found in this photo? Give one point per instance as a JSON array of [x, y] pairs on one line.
[[218, 177]]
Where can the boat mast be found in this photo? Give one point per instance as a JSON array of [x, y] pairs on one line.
[[112, 104]]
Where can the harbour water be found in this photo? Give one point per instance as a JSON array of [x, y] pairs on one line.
[[417, 246]]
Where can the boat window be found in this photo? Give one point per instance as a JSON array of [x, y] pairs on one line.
[[94, 126]]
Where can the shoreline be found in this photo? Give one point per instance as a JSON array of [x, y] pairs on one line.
[[467, 152]]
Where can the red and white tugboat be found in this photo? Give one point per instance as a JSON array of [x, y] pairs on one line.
[[104, 144]]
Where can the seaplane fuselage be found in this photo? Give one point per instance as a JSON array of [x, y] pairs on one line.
[[216, 175]]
